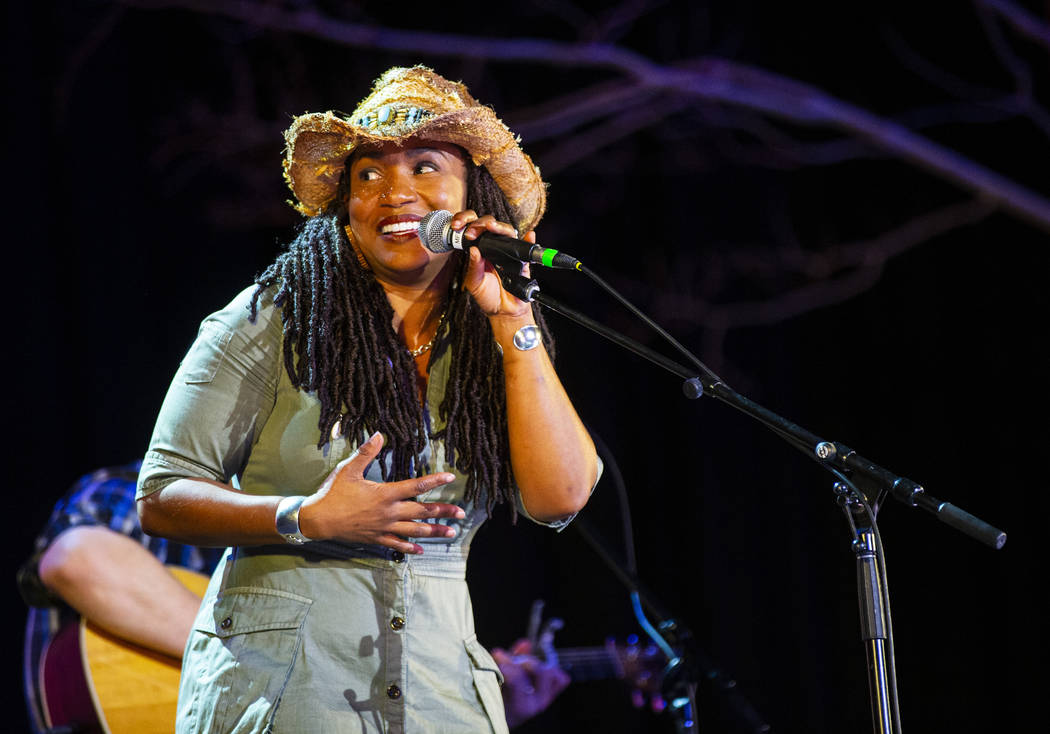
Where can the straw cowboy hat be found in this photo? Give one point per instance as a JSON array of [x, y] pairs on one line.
[[410, 102]]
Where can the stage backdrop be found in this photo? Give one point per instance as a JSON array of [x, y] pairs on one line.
[[842, 210]]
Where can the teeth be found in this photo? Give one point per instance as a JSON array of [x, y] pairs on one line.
[[400, 227]]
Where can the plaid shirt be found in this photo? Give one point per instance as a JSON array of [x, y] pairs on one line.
[[104, 498]]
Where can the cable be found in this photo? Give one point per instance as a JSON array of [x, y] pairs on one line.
[[652, 324]]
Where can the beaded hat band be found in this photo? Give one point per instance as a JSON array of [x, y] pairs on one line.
[[404, 103]]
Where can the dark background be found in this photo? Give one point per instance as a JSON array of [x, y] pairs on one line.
[[143, 190]]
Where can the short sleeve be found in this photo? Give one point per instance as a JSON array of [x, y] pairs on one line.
[[221, 396], [559, 525], [105, 497]]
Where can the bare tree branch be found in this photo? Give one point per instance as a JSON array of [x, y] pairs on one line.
[[1020, 71], [579, 108], [622, 17], [777, 148], [1020, 19], [715, 80], [577, 147], [312, 23], [856, 264], [567, 12], [885, 134], [838, 273], [1017, 68], [937, 76], [979, 98]]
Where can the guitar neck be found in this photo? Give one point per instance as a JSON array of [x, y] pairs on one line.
[[589, 663]]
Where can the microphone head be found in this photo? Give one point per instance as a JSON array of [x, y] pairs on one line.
[[433, 228]]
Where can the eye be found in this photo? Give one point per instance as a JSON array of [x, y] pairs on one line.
[[367, 174], [426, 167]]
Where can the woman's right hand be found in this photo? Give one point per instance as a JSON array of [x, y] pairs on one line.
[[350, 508]]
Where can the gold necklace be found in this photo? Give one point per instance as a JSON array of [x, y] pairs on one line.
[[424, 347]]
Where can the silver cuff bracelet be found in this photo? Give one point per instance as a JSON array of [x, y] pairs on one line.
[[287, 520]]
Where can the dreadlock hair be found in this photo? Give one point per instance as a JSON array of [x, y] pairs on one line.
[[339, 342]]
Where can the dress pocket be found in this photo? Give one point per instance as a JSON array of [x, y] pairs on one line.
[[206, 354], [487, 682], [239, 659]]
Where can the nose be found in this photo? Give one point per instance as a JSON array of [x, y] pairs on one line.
[[399, 191]]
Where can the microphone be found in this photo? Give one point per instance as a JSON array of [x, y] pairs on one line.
[[437, 235]]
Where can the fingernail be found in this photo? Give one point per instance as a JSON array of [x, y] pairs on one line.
[[374, 436], [450, 531], [460, 514]]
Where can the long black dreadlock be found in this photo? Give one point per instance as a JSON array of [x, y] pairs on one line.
[[339, 343]]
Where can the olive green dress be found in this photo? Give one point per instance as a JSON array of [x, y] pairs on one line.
[[326, 638]]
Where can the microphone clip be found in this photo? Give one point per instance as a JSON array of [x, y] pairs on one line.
[[526, 289]]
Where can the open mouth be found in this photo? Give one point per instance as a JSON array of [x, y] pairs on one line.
[[401, 226]]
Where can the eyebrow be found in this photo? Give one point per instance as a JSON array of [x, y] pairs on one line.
[[375, 154]]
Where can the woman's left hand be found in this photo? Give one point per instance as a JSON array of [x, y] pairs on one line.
[[482, 280]]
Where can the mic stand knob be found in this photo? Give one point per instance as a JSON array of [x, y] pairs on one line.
[[518, 285]]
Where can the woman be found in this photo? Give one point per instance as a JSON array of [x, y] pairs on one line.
[[373, 401]]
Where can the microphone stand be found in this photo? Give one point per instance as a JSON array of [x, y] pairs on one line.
[[852, 471]]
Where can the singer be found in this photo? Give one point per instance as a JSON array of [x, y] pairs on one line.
[[347, 423]]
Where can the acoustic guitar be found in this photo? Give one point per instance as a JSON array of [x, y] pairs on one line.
[[92, 681]]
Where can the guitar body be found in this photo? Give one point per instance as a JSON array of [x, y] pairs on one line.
[[64, 691], [101, 683]]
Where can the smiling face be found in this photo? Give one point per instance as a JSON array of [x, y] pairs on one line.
[[391, 188]]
